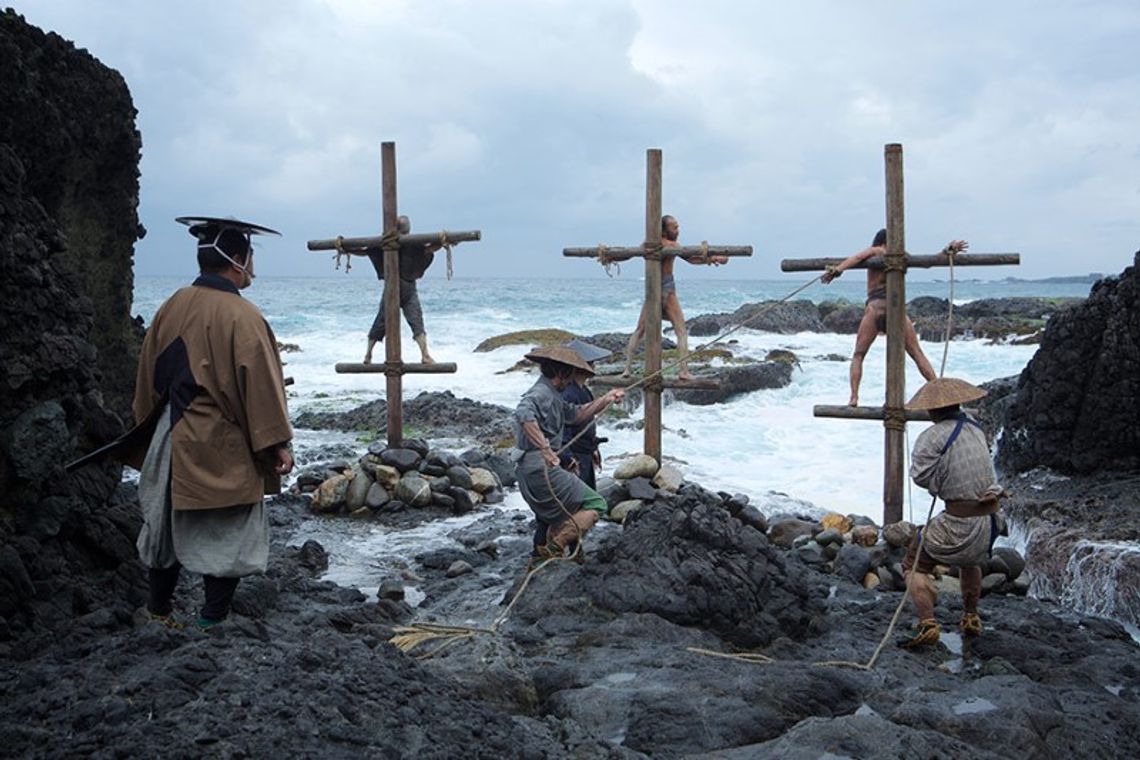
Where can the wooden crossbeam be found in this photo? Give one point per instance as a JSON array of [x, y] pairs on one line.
[[896, 261], [393, 366], [360, 245], [912, 262], [651, 309], [624, 253], [406, 368], [864, 413]]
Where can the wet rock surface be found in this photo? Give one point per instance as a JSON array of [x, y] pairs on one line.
[[1082, 537], [68, 188], [69, 122], [993, 318], [610, 645], [436, 414], [1077, 405], [593, 660]]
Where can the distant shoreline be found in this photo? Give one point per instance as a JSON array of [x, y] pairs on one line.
[[1088, 279]]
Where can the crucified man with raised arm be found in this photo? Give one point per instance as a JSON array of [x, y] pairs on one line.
[[875, 316]]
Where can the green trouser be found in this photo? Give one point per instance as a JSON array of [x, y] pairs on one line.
[[594, 501]]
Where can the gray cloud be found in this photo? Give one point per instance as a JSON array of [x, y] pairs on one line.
[[530, 120]]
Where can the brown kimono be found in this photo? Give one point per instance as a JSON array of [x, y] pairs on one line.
[[211, 359]]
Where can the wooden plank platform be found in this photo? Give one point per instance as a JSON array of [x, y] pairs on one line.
[[353, 368], [864, 413]]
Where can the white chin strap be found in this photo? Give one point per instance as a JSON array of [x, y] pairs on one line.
[[214, 245]]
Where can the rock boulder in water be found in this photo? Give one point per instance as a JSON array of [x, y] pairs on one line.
[[735, 380], [640, 466], [783, 531], [414, 490], [403, 460], [482, 480]]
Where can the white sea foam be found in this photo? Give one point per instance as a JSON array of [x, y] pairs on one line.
[[761, 442]]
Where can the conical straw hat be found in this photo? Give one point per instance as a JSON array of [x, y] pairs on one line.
[[945, 391], [562, 355], [589, 351]]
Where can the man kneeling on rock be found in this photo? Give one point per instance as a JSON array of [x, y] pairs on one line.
[[952, 460], [564, 507]]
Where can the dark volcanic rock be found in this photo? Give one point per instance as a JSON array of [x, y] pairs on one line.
[[737, 380], [769, 316], [708, 570], [70, 123], [1077, 408], [438, 414], [142, 690], [68, 192], [492, 460]]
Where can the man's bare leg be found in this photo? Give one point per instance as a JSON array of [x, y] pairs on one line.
[[868, 331], [634, 339], [368, 353], [920, 589], [421, 341], [677, 317], [915, 350]]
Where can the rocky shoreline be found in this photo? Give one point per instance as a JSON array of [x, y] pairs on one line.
[[1015, 319], [595, 660]]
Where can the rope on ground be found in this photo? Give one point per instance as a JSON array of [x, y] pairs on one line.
[[756, 657]]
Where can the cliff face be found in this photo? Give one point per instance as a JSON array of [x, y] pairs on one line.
[[68, 184], [70, 121], [1077, 403]]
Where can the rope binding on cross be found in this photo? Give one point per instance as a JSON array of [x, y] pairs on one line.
[[607, 262], [447, 245], [892, 263], [894, 418], [340, 251]]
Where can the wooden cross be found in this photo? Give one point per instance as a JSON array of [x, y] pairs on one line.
[[896, 262], [652, 251], [393, 367]]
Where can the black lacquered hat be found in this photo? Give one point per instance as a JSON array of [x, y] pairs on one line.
[[199, 224]]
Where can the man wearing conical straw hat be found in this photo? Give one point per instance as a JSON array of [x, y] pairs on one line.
[[564, 507], [951, 459]]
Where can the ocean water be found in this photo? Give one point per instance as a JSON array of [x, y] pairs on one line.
[[762, 443]]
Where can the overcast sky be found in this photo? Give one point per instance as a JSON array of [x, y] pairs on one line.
[[529, 120]]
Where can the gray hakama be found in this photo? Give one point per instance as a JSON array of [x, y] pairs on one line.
[[544, 405], [229, 542]]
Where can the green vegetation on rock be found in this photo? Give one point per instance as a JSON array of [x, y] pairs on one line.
[[545, 337]]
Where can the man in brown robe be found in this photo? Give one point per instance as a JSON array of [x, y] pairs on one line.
[[210, 383]]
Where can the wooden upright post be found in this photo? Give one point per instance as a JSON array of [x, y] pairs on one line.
[[653, 302], [391, 297], [894, 263], [651, 250], [894, 419], [390, 243]]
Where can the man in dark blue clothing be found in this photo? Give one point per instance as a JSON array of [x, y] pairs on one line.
[[582, 457]]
